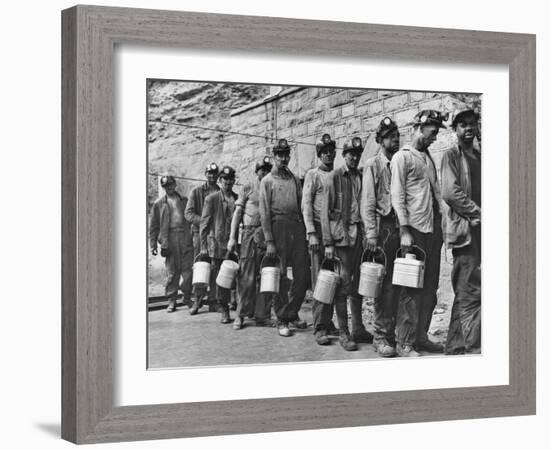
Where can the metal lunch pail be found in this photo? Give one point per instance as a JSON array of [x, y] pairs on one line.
[[270, 276], [409, 271], [327, 282], [372, 274]]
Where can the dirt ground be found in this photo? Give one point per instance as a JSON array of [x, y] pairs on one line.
[[181, 340]]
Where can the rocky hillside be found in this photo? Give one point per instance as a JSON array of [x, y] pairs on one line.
[[178, 115]]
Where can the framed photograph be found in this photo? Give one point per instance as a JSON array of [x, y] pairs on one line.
[[190, 293]]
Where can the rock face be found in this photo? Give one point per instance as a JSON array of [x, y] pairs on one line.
[[179, 115]]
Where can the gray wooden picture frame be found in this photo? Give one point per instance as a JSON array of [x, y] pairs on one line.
[[90, 34]]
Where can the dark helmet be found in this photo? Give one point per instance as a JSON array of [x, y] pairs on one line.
[[212, 168], [460, 113], [431, 117], [265, 164], [325, 144], [354, 145], [385, 127], [227, 172], [167, 180], [281, 147]]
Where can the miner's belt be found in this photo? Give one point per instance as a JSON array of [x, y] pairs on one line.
[[251, 227], [178, 229]]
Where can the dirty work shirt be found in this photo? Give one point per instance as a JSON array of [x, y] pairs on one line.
[[415, 191], [249, 200], [315, 184], [376, 198], [176, 218], [280, 199]]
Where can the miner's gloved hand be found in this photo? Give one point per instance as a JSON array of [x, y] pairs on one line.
[[313, 241], [407, 240], [231, 245], [154, 251], [329, 252], [475, 222], [370, 244], [164, 252], [271, 250]]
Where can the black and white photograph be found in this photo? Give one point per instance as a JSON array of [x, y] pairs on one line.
[[297, 224]]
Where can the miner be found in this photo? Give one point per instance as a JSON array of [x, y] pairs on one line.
[[416, 198], [193, 213], [215, 228], [168, 227], [285, 235], [342, 237], [382, 232], [247, 212], [312, 198], [461, 192]]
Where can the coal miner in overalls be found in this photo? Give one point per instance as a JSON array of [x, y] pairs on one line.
[[342, 237], [168, 227], [193, 213], [461, 192], [315, 184], [247, 212], [285, 235], [382, 231], [215, 228], [416, 199]]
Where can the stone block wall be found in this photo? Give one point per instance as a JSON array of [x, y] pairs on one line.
[[302, 115]]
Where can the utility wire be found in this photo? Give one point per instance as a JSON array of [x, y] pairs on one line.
[[168, 122]]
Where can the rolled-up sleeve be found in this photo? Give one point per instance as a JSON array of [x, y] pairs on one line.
[[398, 188], [368, 202], [265, 209]]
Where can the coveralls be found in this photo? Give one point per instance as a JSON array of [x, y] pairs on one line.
[[168, 227]]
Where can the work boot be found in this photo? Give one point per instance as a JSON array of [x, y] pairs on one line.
[[265, 323], [384, 348], [406, 351], [225, 314], [362, 335], [428, 346], [321, 337], [171, 305], [332, 330], [300, 324], [347, 342], [238, 324], [283, 330], [195, 308]]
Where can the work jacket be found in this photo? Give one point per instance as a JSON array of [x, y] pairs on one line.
[[414, 187], [456, 190], [159, 221], [376, 196], [312, 196], [337, 225], [193, 211], [215, 224]]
